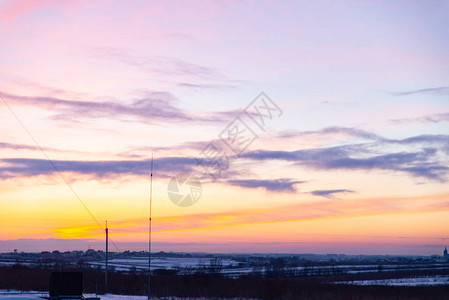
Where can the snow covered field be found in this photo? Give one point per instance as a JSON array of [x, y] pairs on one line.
[[415, 281], [163, 263], [231, 268], [17, 295]]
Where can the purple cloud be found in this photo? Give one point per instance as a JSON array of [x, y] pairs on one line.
[[154, 106], [421, 161], [348, 131], [27, 167], [272, 185], [16, 146], [329, 193], [444, 90], [432, 118]]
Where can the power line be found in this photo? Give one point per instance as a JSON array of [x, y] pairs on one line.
[[54, 166], [68, 184]]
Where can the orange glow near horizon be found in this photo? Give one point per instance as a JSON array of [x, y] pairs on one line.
[[354, 221]]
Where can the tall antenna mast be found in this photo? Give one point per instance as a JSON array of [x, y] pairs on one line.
[[149, 232], [106, 269]]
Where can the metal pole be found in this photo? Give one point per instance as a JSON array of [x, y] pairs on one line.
[[149, 229], [106, 269]]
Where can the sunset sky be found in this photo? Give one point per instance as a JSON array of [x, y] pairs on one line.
[[355, 160]]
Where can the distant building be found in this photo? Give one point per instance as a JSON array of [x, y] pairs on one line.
[[445, 253], [46, 255], [90, 252]]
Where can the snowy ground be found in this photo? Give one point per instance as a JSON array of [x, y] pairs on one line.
[[415, 281], [17, 295], [229, 267], [162, 263], [183, 265]]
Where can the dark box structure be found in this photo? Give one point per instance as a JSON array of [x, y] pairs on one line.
[[66, 285]]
